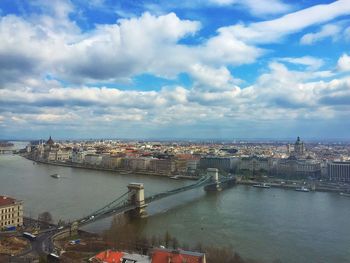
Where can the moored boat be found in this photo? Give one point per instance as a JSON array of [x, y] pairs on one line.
[[302, 189], [262, 185]]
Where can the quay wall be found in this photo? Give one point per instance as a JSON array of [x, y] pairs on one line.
[[119, 171]]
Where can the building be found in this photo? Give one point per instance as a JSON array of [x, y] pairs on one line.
[[112, 161], [192, 166], [162, 166], [78, 156], [162, 255], [298, 150], [291, 166], [11, 212], [221, 163], [255, 163], [110, 256], [299, 147], [339, 171], [137, 163], [92, 159]]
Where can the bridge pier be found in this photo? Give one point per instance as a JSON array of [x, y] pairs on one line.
[[137, 197], [214, 175]]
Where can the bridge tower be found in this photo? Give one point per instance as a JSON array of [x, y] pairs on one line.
[[137, 197], [214, 174]]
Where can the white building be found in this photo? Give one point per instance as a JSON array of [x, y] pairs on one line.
[[93, 159]]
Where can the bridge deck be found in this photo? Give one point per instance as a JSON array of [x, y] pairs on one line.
[[121, 204]]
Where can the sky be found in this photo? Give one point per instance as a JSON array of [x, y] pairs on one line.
[[220, 69]]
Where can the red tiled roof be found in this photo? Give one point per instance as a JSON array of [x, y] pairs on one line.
[[166, 256], [5, 200], [109, 256]]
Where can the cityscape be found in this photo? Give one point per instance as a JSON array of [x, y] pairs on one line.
[[330, 162], [214, 166], [207, 131]]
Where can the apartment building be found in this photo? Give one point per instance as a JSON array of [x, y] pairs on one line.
[[11, 212]]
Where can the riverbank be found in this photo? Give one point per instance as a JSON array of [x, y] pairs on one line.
[[315, 187], [119, 171]]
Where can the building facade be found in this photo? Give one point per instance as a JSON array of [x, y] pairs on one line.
[[298, 167], [11, 212], [339, 171], [92, 159], [162, 166], [221, 163], [254, 163]]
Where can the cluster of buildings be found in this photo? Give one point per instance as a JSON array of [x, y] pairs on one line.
[[158, 255], [169, 158]]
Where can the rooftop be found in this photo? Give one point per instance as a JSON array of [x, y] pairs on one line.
[[110, 256], [176, 256], [6, 201]]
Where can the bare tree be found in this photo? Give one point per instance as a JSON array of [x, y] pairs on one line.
[[45, 217], [167, 238], [122, 233]]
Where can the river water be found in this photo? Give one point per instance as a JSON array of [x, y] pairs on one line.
[[263, 224]]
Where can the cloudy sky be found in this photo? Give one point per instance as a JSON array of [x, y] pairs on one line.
[[174, 69]]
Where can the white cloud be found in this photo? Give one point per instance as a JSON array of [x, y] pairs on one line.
[[278, 94], [312, 63], [326, 31], [344, 63], [29, 93], [274, 30], [266, 7], [147, 44], [207, 77]]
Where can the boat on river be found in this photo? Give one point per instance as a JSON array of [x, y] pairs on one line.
[[262, 185], [345, 194], [302, 189], [56, 176]]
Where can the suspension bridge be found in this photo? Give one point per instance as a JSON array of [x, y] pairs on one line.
[[134, 202]]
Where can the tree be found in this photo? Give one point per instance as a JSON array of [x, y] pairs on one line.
[[61, 222], [43, 259], [222, 255], [175, 243], [154, 241], [167, 238], [45, 217], [122, 233]]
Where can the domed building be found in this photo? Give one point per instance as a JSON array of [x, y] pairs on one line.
[[299, 148], [50, 141]]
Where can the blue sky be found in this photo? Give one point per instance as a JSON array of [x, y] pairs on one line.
[[159, 69]]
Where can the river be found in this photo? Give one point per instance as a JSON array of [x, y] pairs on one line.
[[264, 224]]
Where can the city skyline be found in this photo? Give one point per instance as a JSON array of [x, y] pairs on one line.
[[219, 69]]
